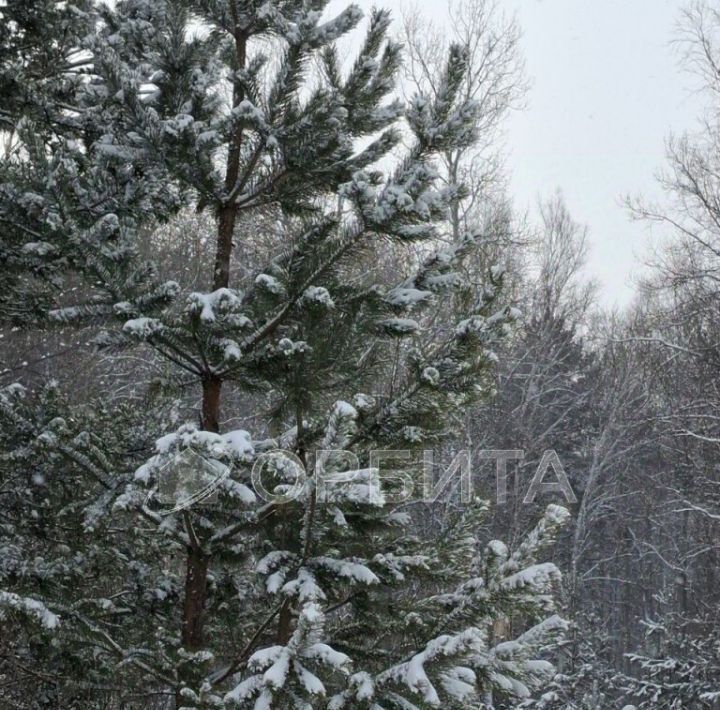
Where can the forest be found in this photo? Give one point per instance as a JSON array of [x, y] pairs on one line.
[[298, 409]]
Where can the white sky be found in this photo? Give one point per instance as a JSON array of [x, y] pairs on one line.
[[606, 92]]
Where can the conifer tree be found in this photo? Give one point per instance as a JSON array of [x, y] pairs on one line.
[[313, 595]]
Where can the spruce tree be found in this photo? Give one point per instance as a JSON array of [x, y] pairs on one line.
[[328, 597]]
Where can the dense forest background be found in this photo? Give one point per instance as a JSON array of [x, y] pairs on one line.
[[629, 399]]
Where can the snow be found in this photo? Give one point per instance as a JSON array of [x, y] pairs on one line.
[[418, 681], [248, 111], [304, 587], [345, 409], [34, 608], [12, 391], [239, 443], [207, 305], [142, 327], [395, 564], [264, 657], [440, 282], [275, 581], [337, 516], [311, 614], [244, 691], [539, 576], [333, 29], [467, 326], [365, 688], [511, 685], [237, 320], [236, 445], [318, 295], [388, 113], [399, 518], [552, 626], [355, 571], [431, 376], [272, 560], [270, 284], [308, 680], [557, 514], [38, 248], [290, 348], [359, 487], [539, 667], [214, 452], [236, 490], [177, 125], [498, 549], [340, 426], [363, 402], [327, 655], [276, 675], [231, 350], [208, 137], [164, 443], [407, 297], [459, 683]]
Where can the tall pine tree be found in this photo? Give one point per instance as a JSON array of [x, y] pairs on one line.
[[120, 117]]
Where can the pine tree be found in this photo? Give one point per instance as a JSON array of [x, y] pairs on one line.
[[326, 597]]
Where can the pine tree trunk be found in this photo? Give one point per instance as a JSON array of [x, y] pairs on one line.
[[226, 227], [212, 388], [194, 603], [228, 211], [197, 561]]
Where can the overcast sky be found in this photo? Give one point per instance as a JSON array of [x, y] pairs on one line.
[[606, 91]]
